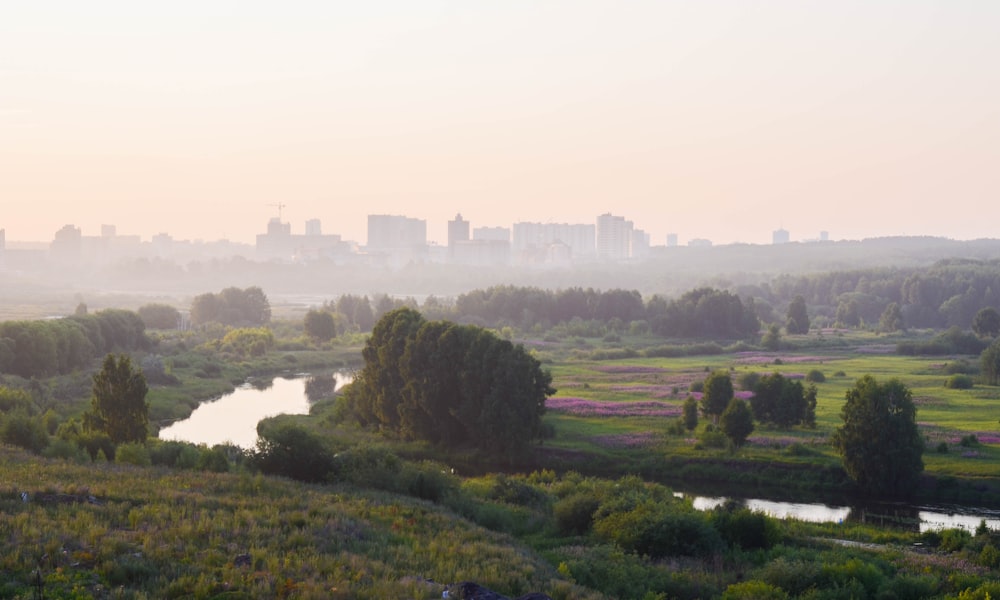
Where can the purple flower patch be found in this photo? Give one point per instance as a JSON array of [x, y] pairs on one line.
[[582, 407], [627, 440], [628, 369]]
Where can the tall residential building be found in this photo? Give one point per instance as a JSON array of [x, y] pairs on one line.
[[614, 237], [401, 239], [458, 231], [533, 239], [491, 234], [671, 240], [314, 227], [3, 240], [779, 236]]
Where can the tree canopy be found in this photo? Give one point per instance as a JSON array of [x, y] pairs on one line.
[[783, 401], [457, 385], [232, 306], [987, 322], [736, 421], [716, 394], [118, 401], [879, 442], [798, 318]]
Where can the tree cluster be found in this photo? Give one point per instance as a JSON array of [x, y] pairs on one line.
[[529, 306], [232, 306], [450, 384], [50, 347], [783, 402]]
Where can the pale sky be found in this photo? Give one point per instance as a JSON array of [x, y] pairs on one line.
[[719, 119]]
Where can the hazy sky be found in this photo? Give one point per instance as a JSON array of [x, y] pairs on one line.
[[711, 118]]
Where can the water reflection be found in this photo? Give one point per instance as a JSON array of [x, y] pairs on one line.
[[233, 418], [899, 516]]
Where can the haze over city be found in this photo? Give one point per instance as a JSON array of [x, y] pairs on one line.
[[723, 120]]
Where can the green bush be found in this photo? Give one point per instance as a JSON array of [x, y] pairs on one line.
[[748, 381], [18, 429], [815, 376], [959, 382], [133, 453], [753, 590], [744, 528], [793, 576], [574, 514]]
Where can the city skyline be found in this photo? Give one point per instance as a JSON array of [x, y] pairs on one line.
[[717, 121]]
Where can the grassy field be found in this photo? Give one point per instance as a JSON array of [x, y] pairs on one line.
[[620, 411]]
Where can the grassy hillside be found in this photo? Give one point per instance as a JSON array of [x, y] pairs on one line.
[[118, 531]]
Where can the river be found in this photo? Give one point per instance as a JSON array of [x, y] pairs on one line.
[[233, 419]]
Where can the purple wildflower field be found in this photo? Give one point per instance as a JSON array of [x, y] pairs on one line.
[[627, 440], [656, 391], [936, 433], [741, 394], [628, 369], [581, 407]]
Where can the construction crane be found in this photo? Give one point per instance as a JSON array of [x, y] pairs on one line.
[[280, 206]]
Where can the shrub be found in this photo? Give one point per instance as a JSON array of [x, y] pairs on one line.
[[815, 376], [292, 451], [953, 540], [574, 514], [745, 528], [942, 448], [26, 432], [133, 453], [753, 590], [839, 374], [959, 382], [713, 438], [697, 386]]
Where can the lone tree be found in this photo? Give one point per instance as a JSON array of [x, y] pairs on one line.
[[879, 442], [716, 394], [690, 413], [798, 319], [783, 401], [118, 401], [987, 322], [320, 325], [737, 421]]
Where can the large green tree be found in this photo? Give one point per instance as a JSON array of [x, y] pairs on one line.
[[736, 421], [320, 325], [891, 319], [716, 394], [783, 401], [879, 442], [118, 401], [798, 318], [450, 384]]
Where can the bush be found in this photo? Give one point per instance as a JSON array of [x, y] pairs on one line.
[[26, 432], [697, 386], [745, 528], [133, 453], [959, 382], [815, 376], [942, 448], [574, 514], [713, 438], [753, 590], [292, 451]]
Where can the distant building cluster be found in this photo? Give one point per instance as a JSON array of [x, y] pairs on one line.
[[393, 240]]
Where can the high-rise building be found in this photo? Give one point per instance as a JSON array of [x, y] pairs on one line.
[[314, 227], [458, 231], [614, 237], [108, 231], [532, 239], [491, 234], [3, 240], [390, 233], [779, 236], [671, 240]]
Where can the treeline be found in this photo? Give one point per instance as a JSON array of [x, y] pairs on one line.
[[457, 385], [232, 306], [703, 312], [50, 347], [947, 294]]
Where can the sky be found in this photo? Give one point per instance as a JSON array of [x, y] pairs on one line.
[[717, 119]]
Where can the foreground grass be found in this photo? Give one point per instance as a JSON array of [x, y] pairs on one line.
[[101, 531]]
